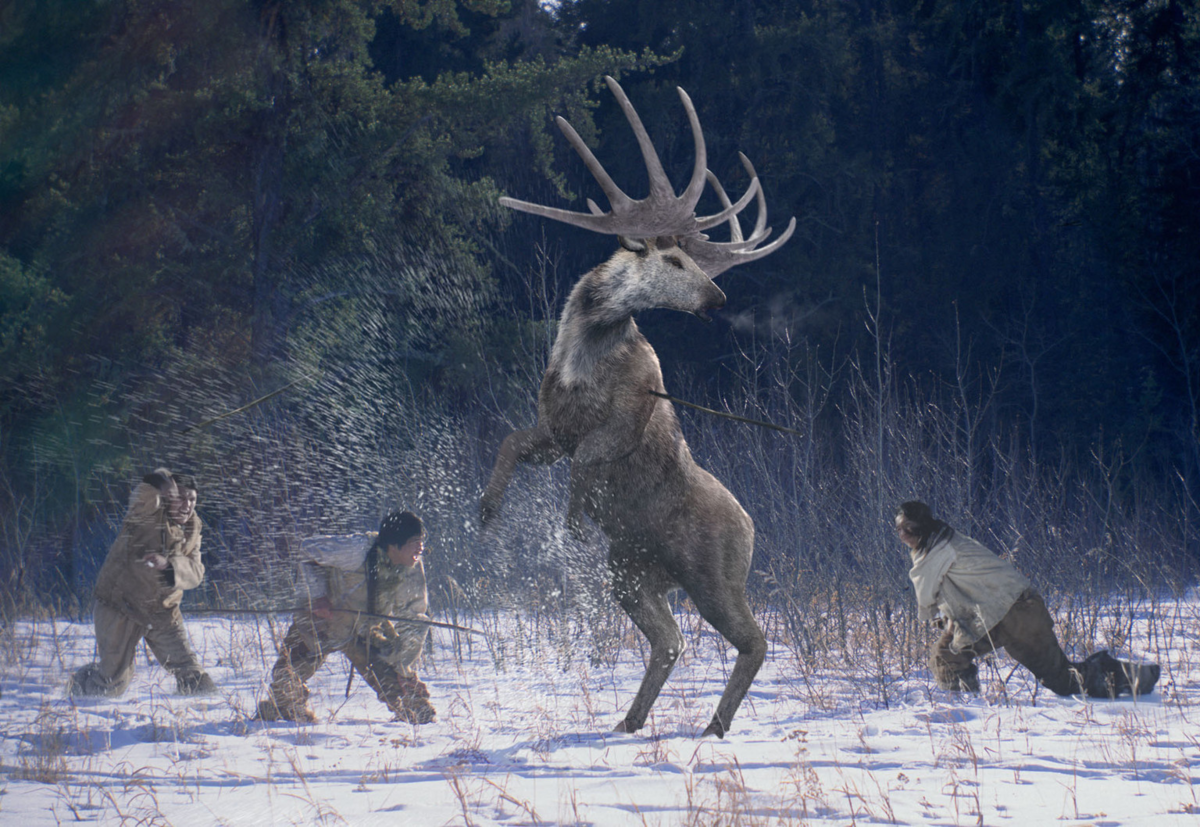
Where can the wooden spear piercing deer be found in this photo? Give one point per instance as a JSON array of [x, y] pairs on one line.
[[670, 524]]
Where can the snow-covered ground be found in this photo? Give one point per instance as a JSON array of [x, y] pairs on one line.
[[529, 743]]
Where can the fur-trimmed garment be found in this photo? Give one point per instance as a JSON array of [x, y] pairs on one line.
[[986, 604], [1026, 632], [965, 582], [335, 567], [385, 654], [126, 583], [135, 601]]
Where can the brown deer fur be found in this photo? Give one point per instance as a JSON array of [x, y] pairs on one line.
[[669, 522]]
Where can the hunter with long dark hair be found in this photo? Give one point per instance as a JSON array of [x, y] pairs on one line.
[[344, 580], [983, 603]]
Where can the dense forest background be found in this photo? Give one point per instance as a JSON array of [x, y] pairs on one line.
[[991, 302]]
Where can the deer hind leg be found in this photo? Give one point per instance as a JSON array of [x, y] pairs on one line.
[[533, 445], [729, 613], [643, 596]]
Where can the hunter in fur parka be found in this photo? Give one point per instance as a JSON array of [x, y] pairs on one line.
[[335, 568], [982, 603], [126, 583], [155, 558], [348, 584]]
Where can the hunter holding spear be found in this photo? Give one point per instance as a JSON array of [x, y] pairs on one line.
[[347, 582]]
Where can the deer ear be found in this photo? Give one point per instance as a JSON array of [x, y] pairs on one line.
[[633, 245]]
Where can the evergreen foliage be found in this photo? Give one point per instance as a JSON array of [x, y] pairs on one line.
[[200, 202]]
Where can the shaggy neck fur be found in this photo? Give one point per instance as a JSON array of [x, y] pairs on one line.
[[594, 323]]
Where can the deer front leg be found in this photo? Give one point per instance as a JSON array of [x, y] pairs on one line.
[[614, 439], [533, 445]]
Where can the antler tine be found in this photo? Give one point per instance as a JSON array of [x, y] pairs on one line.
[[736, 243], [715, 258], [735, 246], [754, 255], [695, 187], [595, 223], [731, 210], [660, 185], [616, 196], [661, 213], [761, 221], [735, 226]]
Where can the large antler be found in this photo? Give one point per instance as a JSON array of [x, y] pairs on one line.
[[661, 213], [715, 258]]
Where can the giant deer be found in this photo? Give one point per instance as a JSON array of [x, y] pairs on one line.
[[670, 524]]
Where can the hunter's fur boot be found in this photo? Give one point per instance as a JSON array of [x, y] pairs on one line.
[[269, 710], [952, 679], [1106, 677], [414, 706], [190, 682]]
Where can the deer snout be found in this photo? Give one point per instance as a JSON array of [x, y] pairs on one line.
[[714, 299]]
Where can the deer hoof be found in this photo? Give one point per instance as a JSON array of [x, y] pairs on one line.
[[715, 728], [624, 726]]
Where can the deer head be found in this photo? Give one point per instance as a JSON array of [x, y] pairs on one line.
[[662, 214], [648, 273]]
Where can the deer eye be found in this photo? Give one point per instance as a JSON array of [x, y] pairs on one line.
[[674, 261]]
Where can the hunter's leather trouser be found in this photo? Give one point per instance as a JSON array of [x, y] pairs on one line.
[[302, 655], [1026, 632], [117, 637]]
